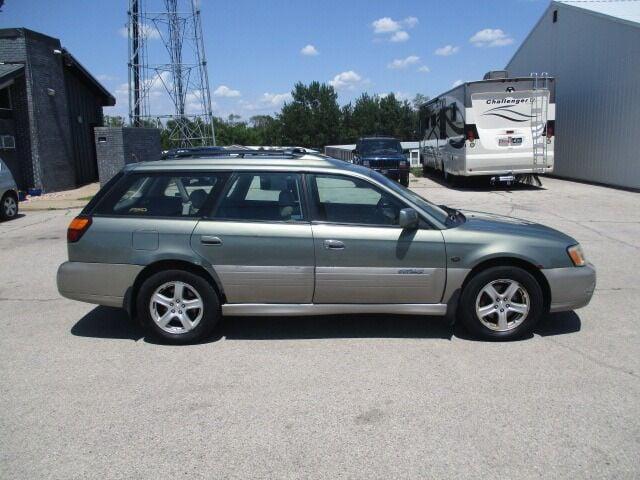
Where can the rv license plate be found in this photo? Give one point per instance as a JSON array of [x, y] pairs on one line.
[[507, 142], [384, 172]]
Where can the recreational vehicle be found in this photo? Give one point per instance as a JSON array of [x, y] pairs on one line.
[[501, 128]]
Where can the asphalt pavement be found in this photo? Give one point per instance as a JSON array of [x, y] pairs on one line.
[[84, 394]]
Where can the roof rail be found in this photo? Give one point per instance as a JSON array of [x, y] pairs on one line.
[[200, 152]]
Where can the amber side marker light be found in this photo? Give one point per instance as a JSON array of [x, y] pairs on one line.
[[577, 255], [77, 227]]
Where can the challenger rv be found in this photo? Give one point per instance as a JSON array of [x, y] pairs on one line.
[[501, 128]]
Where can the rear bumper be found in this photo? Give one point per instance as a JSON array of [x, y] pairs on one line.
[[100, 283], [571, 287]]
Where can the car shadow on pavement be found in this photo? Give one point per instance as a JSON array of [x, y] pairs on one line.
[[114, 323], [471, 184], [336, 326], [107, 322]]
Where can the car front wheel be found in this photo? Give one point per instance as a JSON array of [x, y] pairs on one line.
[[9, 207], [178, 306], [501, 303]]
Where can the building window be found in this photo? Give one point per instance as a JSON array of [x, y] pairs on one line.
[[7, 142], [5, 99], [555, 16]]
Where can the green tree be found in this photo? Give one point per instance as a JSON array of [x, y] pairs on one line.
[[312, 118]]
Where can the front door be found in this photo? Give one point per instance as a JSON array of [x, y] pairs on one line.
[[362, 254], [258, 240]]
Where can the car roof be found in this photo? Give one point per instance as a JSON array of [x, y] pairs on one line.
[[232, 162]]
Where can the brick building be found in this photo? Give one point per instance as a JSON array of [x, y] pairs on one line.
[[49, 107]]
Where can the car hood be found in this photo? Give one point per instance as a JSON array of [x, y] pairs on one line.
[[490, 222]]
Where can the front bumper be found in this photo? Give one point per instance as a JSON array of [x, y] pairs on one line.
[[100, 283], [571, 287], [392, 173]]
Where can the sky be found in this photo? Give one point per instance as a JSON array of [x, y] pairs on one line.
[[257, 50]]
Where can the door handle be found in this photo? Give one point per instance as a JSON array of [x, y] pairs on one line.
[[333, 245], [210, 240]]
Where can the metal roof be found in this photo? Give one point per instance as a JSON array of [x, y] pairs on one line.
[[625, 10]]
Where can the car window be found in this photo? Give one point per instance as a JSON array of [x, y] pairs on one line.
[[341, 199], [158, 195], [262, 197]]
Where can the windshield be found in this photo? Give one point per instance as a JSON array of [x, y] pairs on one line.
[[380, 146], [434, 210]]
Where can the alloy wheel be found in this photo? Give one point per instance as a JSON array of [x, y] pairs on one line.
[[10, 206], [176, 307], [502, 305]]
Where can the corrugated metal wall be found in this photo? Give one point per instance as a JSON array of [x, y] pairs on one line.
[[596, 62]]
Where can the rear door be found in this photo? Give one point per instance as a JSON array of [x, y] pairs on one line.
[[362, 254], [145, 217], [258, 239]]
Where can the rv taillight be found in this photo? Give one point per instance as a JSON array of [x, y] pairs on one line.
[[77, 227], [550, 130], [471, 132]]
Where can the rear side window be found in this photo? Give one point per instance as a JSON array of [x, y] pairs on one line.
[[160, 195], [262, 197]]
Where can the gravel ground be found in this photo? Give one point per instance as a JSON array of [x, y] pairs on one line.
[[85, 395]]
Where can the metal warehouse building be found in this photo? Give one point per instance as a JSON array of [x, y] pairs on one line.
[[49, 106], [593, 50]]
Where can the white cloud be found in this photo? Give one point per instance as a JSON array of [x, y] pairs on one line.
[[400, 36], [146, 31], [424, 69], [456, 83], [447, 50], [224, 91], [490, 37], [309, 50], [410, 22], [346, 80], [395, 29], [275, 99], [403, 62], [385, 25], [266, 102]]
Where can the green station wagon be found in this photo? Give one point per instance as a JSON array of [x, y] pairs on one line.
[[179, 243]]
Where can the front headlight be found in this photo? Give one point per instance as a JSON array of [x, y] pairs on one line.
[[577, 255]]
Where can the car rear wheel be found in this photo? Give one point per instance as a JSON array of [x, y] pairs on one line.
[[8, 206], [178, 306], [501, 303]]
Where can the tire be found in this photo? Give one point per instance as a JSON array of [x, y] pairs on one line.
[[8, 206], [404, 181], [157, 296], [512, 323]]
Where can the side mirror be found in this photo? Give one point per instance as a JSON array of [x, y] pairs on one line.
[[408, 218]]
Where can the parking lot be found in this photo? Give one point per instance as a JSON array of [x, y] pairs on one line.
[[85, 395]]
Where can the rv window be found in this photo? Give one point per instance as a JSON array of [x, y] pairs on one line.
[[453, 112], [443, 124]]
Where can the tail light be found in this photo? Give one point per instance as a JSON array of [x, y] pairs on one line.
[[549, 130], [77, 227], [471, 132]]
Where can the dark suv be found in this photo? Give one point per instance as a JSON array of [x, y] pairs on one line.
[[384, 155]]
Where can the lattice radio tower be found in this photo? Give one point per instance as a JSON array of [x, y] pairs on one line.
[[168, 81]]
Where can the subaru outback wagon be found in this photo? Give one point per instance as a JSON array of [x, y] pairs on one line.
[[180, 243]]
